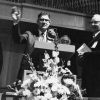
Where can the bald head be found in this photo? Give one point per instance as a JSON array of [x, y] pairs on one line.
[[96, 17], [95, 22]]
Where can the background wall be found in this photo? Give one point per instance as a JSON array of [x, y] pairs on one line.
[[12, 53]]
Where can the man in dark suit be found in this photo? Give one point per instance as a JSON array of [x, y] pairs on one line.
[[40, 32], [89, 59]]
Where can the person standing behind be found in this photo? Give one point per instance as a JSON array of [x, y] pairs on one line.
[[89, 59], [39, 32]]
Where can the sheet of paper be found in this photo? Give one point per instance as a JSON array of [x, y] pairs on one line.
[[84, 48]]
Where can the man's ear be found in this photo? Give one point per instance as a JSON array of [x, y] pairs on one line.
[[50, 21]]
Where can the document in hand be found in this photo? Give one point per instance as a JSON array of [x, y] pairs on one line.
[[83, 48]]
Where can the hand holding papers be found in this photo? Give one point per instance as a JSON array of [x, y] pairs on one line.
[[83, 49]]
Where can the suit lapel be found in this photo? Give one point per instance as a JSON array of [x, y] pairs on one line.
[[95, 38]]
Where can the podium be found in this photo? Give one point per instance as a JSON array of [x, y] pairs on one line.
[[66, 51], [91, 73]]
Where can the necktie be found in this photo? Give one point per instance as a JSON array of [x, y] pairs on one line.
[[42, 37]]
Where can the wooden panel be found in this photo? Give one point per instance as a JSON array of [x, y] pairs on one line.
[[59, 18], [12, 54]]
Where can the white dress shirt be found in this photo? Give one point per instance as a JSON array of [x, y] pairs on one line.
[[42, 36], [96, 42]]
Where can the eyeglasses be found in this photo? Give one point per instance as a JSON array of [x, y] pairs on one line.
[[44, 19], [95, 22]]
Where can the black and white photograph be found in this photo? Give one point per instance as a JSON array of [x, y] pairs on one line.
[[49, 49]]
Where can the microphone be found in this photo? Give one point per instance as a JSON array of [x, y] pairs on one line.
[[51, 35]]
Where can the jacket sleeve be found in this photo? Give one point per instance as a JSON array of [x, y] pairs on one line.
[[18, 37]]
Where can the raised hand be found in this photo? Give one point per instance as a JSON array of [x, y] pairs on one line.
[[16, 14]]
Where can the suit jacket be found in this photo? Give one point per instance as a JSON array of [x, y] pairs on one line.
[[27, 34], [95, 50], [90, 62], [95, 39], [24, 33]]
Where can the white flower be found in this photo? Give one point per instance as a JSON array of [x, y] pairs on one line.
[[46, 74], [69, 81], [36, 91], [26, 83], [56, 60], [48, 95], [64, 97], [27, 92], [55, 98], [47, 65], [52, 79], [63, 70], [34, 76], [43, 98], [39, 83], [55, 53], [63, 90], [46, 56], [39, 98], [54, 88], [50, 61]]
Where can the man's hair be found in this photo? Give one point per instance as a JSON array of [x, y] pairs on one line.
[[43, 13], [96, 17]]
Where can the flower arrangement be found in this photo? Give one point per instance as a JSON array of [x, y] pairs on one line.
[[56, 83]]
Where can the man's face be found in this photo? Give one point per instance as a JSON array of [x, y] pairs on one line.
[[96, 25], [43, 22]]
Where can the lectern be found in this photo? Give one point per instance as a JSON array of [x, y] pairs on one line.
[[91, 73], [66, 51]]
